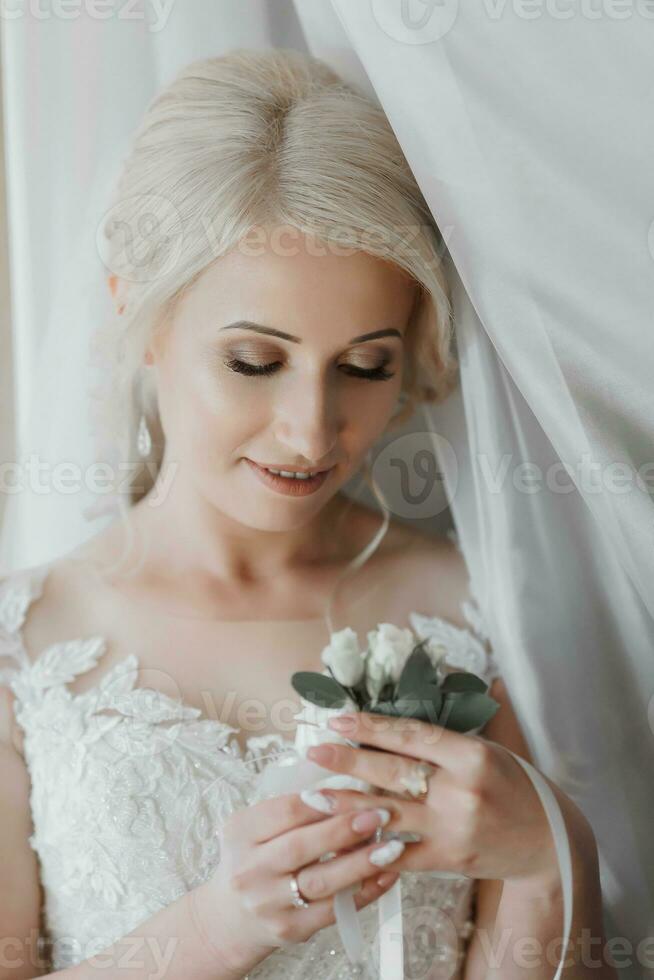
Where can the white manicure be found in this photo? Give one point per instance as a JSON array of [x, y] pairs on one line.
[[316, 801], [386, 854]]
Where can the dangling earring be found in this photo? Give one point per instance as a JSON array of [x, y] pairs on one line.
[[143, 439]]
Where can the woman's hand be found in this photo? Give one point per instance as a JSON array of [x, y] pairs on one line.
[[481, 816], [245, 909]]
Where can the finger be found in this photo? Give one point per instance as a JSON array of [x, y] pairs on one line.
[[301, 846], [408, 736], [320, 914], [404, 814], [325, 878], [383, 769], [269, 818]]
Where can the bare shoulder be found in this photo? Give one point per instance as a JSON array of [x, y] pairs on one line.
[[435, 580], [421, 572], [66, 605], [432, 573]]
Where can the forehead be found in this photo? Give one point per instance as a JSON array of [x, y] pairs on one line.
[[301, 285]]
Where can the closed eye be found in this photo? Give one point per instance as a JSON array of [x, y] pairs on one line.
[[378, 373]]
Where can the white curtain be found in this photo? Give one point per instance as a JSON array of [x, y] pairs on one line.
[[530, 131]]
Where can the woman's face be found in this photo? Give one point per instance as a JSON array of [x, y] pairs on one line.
[[297, 389]]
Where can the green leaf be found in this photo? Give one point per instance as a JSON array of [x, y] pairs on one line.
[[460, 682], [382, 708], [319, 689], [463, 711], [418, 671], [424, 706]]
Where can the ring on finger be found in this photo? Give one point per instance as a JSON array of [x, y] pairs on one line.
[[416, 780], [297, 898]]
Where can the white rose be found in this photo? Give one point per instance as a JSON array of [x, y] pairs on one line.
[[344, 658], [435, 650], [390, 648], [312, 725]]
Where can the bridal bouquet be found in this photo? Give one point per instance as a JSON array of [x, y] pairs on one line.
[[395, 675]]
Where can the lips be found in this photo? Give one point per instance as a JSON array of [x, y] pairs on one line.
[[289, 485], [290, 469]]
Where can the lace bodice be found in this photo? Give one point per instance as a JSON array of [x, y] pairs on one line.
[[128, 787]]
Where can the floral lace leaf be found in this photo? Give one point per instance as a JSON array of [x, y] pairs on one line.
[[15, 598], [461, 647], [149, 705], [7, 675], [17, 590], [205, 734], [11, 647], [61, 662], [114, 684], [475, 617], [116, 691]]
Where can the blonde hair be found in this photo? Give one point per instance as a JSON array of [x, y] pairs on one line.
[[249, 139]]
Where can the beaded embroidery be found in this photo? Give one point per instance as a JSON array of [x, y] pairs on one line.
[[128, 787]]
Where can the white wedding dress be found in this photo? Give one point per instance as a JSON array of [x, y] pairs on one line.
[[128, 787]]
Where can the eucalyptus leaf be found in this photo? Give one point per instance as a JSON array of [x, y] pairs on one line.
[[418, 671], [460, 682], [382, 708], [387, 692], [319, 689], [462, 712], [424, 706]]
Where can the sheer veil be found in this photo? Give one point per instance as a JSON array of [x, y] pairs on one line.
[[562, 578]]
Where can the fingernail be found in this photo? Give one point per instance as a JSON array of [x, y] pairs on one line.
[[342, 721], [367, 820], [388, 878], [390, 851], [322, 754], [318, 801]]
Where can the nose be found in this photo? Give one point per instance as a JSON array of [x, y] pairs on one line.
[[308, 422]]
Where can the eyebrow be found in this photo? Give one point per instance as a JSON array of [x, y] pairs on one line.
[[260, 328]]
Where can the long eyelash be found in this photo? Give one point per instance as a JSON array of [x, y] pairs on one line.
[[372, 374], [242, 367]]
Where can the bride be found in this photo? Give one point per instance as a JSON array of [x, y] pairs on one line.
[[256, 358]]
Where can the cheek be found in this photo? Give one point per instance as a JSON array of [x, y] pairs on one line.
[[220, 415], [203, 416], [369, 409]]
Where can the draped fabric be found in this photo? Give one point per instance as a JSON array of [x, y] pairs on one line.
[[529, 129]]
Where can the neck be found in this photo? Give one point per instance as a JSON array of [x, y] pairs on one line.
[[193, 536]]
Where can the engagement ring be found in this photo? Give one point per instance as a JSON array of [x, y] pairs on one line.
[[297, 898], [416, 782]]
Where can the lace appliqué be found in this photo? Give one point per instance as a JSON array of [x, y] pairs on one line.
[[466, 649], [129, 789]]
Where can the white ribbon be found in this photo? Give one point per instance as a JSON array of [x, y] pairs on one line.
[[294, 773]]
